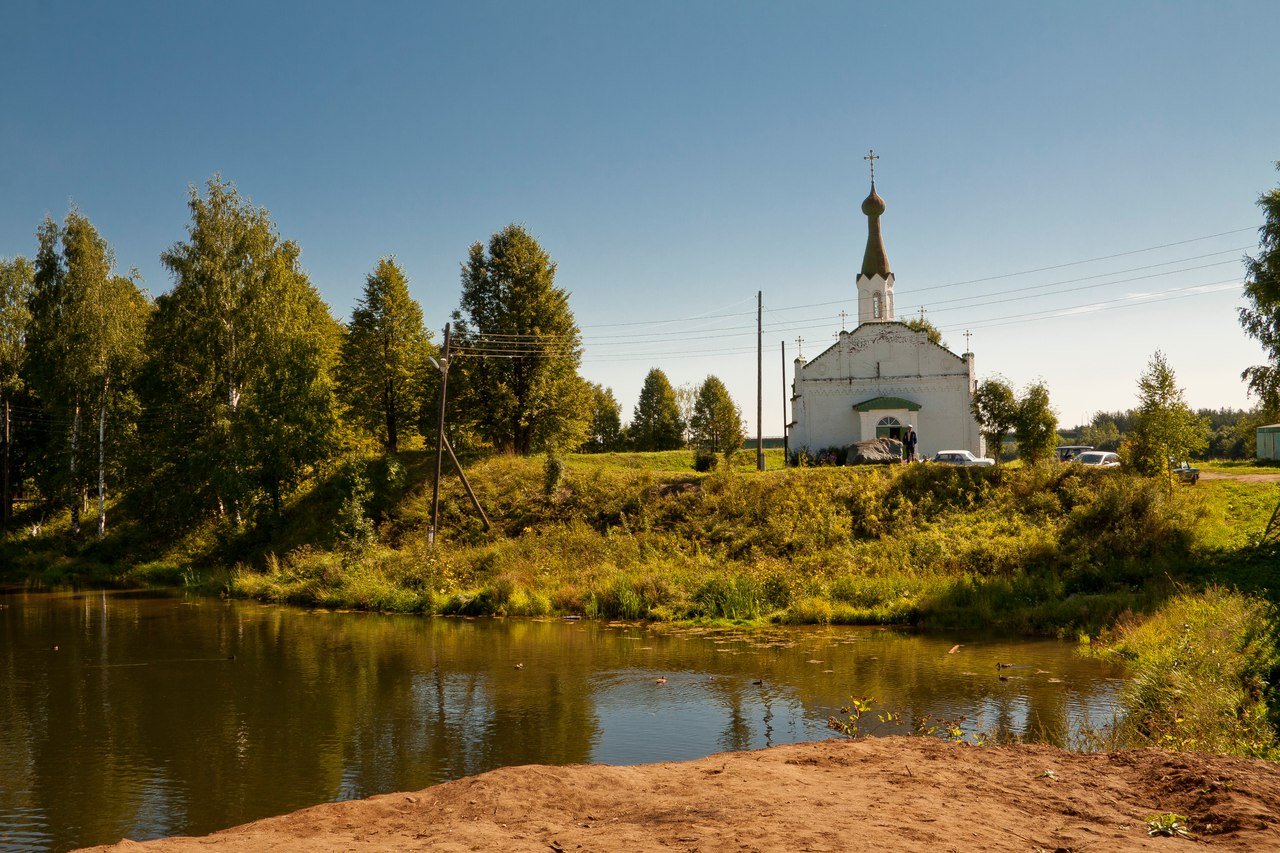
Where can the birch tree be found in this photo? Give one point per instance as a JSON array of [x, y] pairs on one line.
[[16, 278], [239, 359]]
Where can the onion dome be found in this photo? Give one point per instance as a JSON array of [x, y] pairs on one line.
[[875, 262]]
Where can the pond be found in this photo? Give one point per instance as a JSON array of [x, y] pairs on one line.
[[127, 715]]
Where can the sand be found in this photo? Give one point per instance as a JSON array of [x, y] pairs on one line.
[[897, 793]]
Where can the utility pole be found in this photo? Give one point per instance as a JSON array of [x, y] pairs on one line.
[[759, 380], [786, 437], [435, 486], [442, 444]]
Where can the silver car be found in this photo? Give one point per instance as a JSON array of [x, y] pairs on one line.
[[1099, 459], [963, 458]]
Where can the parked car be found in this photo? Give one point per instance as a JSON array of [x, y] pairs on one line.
[[1067, 452], [962, 458], [1098, 459], [1184, 472]]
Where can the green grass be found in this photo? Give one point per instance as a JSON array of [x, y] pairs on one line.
[[1203, 675]]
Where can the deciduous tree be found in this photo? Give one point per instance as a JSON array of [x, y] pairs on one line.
[[606, 421], [1261, 317], [1036, 425], [384, 368], [16, 278], [717, 421], [995, 408], [1165, 429], [240, 355]]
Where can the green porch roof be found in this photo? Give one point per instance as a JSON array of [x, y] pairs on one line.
[[876, 403]]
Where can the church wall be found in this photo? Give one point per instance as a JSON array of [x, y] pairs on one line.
[[889, 360]]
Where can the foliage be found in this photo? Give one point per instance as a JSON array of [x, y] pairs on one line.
[[1036, 424], [552, 475], [705, 460], [1101, 434], [932, 332], [240, 354], [384, 368], [16, 279], [716, 424], [605, 433], [1203, 674], [531, 397], [1168, 824], [656, 423], [84, 345], [1165, 429], [1261, 317], [995, 408]]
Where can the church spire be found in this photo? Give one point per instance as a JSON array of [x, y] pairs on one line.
[[875, 282], [875, 261]]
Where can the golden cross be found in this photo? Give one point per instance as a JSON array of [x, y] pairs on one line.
[[873, 157]]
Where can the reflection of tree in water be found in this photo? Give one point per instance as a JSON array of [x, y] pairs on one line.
[[141, 724]]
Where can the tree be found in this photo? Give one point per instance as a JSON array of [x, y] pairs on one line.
[[1036, 425], [606, 422], [517, 382], [920, 324], [1102, 434], [717, 421], [995, 408], [16, 277], [1165, 429], [1261, 318], [656, 423], [84, 338], [240, 355], [384, 368]]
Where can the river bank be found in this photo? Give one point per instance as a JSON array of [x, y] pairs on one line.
[[876, 794]]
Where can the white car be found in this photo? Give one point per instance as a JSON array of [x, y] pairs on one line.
[[962, 458], [1098, 459]]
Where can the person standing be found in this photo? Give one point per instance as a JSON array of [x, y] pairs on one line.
[[909, 444]]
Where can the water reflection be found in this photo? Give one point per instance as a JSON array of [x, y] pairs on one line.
[[128, 716]]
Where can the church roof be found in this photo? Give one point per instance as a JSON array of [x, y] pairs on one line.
[[877, 403], [875, 261]]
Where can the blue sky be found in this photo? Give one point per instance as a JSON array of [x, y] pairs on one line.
[[674, 158]]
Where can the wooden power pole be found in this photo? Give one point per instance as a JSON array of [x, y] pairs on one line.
[[443, 445], [760, 380], [786, 427]]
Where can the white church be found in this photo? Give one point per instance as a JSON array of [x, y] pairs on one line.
[[883, 376]]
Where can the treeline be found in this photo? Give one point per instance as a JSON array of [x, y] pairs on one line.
[[1231, 433], [220, 397]]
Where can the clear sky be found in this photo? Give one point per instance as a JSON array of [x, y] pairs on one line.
[[676, 157]]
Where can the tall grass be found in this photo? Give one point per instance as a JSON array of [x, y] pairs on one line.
[[1205, 675], [1037, 549]]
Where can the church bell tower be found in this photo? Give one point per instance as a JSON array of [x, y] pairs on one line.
[[875, 281]]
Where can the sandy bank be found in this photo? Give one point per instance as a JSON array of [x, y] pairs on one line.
[[877, 794]]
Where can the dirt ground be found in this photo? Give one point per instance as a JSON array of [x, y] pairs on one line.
[[1245, 477], [876, 794]]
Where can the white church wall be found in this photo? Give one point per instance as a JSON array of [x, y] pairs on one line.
[[884, 360]]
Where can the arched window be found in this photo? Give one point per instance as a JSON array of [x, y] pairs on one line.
[[889, 427], [876, 311]]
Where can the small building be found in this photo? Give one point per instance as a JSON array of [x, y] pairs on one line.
[[883, 376], [1269, 442]]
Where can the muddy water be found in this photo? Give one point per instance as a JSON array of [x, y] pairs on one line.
[[138, 716]]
